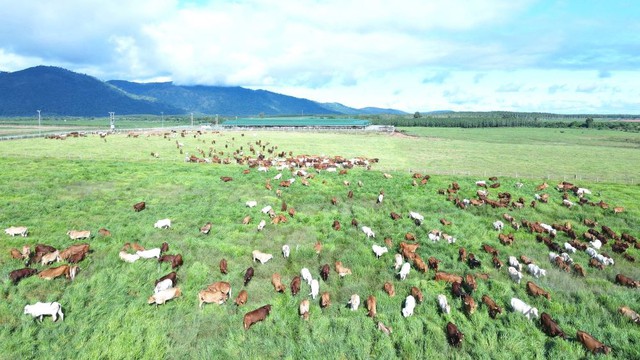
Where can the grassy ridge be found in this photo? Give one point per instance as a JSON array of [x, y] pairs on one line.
[[106, 311]]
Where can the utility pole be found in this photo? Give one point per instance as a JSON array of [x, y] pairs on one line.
[[39, 127], [112, 120]]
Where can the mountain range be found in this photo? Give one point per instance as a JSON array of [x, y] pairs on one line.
[[60, 92]]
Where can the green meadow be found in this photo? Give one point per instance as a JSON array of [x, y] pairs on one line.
[[52, 186]]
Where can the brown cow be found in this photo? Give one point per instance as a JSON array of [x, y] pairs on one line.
[[248, 275], [295, 285], [175, 260], [246, 220], [354, 222], [242, 298], [596, 264], [577, 268], [409, 247], [497, 263], [388, 242], [52, 273], [317, 247], [525, 260], [473, 262], [371, 306], [454, 336], [336, 225], [442, 276], [627, 281], [409, 237], [325, 300], [445, 222], [433, 263], [206, 228], [324, 272], [417, 294], [550, 327], [470, 283], [389, 289], [535, 290], [469, 304], [223, 266], [491, 250], [17, 275], [462, 254], [220, 286], [276, 281], [562, 264], [395, 216], [104, 232], [226, 178], [626, 311], [255, 316], [207, 296], [591, 344], [494, 309], [456, 290], [419, 263], [139, 206], [291, 211]]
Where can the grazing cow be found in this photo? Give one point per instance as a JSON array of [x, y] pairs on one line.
[[497, 263], [223, 266], [506, 239], [246, 220], [498, 225], [52, 273], [627, 281], [371, 306], [306, 275], [336, 225], [513, 262], [490, 250], [535, 290], [442, 276], [295, 285], [469, 304], [79, 234], [404, 271], [470, 283], [596, 264], [569, 248], [379, 250], [444, 306], [150, 253], [515, 274], [248, 275], [596, 244], [242, 298], [462, 254], [324, 272], [385, 329], [409, 306], [216, 297], [170, 276], [304, 309], [175, 260], [433, 263], [267, 209], [473, 262], [626, 311], [416, 217], [454, 336], [367, 230], [251, 203], [255, 316], [16, 230], [130, 258], [417, 294], [521, 307], [341, 270], [50, 257], [163, 285], [260, 256], [445, 222], [164, 296], [315, 288], [325, 300], [494, 309], [162, 224], [291, 211], [39, 309], [226, 178], [419, 264], [354, 222], [398, 261], [536, 271], [286, 251], [395, 216], [456, 290], [354, 302], [139, 206], [206, 228], [389, 289], [104, 232], [277, 283], [550, 327], [409, 237], [317, 247], [220, 286], [591, 344]]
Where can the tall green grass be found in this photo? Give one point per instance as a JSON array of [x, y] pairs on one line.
[[106, 311]]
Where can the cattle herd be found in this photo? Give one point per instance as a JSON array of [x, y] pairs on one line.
[[562, 241]]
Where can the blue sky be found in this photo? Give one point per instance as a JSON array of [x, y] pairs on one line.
[[413, 55]]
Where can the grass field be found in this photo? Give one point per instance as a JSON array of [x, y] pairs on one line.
[[85, 183]]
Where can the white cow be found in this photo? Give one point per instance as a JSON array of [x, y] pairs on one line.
[[514, 263], [380, 198], [409, 305], [552, 256], [315, 288], [163, 285], [444, 306], [260, 256], [569, 247], [567, 258], [515, 274], [379, 250], [591, 251], [596, 244], [163, 296], [567, 203], [367, 230], [399, 261], [130, 258], [521, 307], [435, 237], [498, 225], [266, 209], [354, 302], [79, 234], [536, 271], [261, 225], [251, 203], [481, 183], [306, 275], [404, 271], [603, 259], [16, 230], [149, 253], [285, 250], [416, 217], [582, 191], [162, 224], [278, 176], [40, 309]]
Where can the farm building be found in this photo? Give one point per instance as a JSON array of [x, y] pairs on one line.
[[298, 122]]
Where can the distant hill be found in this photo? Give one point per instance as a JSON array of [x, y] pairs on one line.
[[60, 92], [57, 91]]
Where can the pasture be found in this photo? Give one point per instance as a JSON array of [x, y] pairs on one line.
[[53, 186]]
